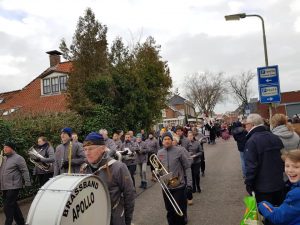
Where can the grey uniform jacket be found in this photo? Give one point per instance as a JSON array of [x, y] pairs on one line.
[[175, 160], [195, 149], [61, 155], [153, 145], [111, 145], [119, 144], [184, 142], [130, 159], [13, 171], [48, 153], [141, 152], [121, 190]]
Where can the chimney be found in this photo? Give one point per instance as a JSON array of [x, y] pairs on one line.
[[54, 57]]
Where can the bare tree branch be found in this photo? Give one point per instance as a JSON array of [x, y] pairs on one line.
[[239, 85], [205, 90]]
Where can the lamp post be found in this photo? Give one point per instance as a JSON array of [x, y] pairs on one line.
[[242, 16]]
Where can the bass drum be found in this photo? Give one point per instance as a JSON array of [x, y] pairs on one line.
[[71, 199]]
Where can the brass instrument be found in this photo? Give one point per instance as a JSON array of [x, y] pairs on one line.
[[1, 158], [33, 154], [165, 179], [70, 157]]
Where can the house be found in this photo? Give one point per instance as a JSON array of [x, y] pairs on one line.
[[46, 93], [178, 111], [289, 105]]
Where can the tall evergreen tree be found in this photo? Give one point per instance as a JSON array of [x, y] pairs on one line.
[[89, 54]]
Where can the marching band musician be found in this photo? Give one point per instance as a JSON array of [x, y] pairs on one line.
[[110, 144], [46, 150], [129, 155], [153, 147], [66, 151], [114, 174], [13, 170], [142, 158], [176, 161], [117, 139]]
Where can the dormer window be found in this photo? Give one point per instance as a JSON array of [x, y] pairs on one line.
[[1, 100], [54, 84]]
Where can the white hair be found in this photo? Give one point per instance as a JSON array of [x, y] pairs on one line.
[[103, 131], [255, 119]]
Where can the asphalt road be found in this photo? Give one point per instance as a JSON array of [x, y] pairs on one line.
[[221, 200]]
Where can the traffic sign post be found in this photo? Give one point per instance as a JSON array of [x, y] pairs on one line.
[[268, 84]]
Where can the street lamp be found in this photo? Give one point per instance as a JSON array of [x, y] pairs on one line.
[[244, 15]]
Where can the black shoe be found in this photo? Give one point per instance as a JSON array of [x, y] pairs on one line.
[[145, 185], [199, 190]]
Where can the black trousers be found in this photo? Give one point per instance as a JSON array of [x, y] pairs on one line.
[[275, 198], [11, 208], [180, 197], [43, 178], [202, 162], [196, 176], [132, 169]]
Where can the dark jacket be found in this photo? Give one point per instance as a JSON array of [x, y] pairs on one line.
[[239, 135], [264, 167], [13, 171]]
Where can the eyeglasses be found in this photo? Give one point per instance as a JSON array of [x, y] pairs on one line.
[[90, 148]]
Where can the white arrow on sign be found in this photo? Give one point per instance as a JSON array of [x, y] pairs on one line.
[[270, 99], [268, 80]]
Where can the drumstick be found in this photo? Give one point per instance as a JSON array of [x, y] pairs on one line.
[[268, 207]]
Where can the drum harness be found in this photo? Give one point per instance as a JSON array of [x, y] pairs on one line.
[[106, 166]]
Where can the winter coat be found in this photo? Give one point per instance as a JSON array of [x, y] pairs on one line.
[[120, 187], [288, 212], [174, 160], [129, 159], [141, 152], [152, 145], [13, 171], [239, 135], [184, 142], [264, 167], [119, 144], [47, 152], [62, 155], [290, 139], [195, 149]]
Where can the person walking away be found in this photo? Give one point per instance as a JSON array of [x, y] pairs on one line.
[[175, 161], [264, 167], [129, 155], [65, 151], [289, 211], [239, 135], [153, 147], [45, 149], [195, 150], [114, 174], [142, 158], [13, 171]]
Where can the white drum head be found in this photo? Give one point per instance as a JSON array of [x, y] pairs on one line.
[[71, 199]]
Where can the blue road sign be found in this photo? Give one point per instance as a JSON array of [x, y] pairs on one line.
[[268, 84]]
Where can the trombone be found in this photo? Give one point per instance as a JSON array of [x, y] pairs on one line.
[[163, 179]]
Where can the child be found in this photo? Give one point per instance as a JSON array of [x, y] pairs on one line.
[[289, 211]]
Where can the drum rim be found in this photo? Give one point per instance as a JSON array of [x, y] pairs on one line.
[[59, 217]]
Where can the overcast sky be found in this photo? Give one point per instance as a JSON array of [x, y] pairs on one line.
[[193, 34]]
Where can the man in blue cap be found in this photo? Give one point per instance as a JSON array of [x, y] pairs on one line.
[[63, 154], [13, 170], [114, 174]]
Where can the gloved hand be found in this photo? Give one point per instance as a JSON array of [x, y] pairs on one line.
[[65, 164], [124, 152], [249, 189], [265, 208], [37, 159]]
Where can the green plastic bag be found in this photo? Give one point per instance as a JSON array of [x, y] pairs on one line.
[[251, 216]]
